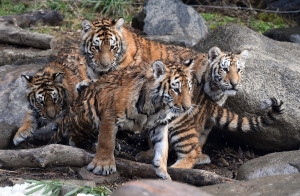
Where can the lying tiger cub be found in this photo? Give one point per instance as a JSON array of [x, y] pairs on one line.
[[124, 100], [52, 90]]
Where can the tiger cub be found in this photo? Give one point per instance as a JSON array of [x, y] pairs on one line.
[[124, 100], [52, 90]]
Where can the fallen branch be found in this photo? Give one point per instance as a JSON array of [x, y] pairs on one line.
[[10, 33], [61, 155], [24, 20]]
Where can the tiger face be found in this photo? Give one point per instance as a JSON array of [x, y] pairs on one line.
[[177, 88], [46, 96], [227, 70], [101, 43]]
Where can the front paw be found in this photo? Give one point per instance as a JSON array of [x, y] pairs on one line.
[[160, 170], [22, 135], [145, 156], [101, 167]]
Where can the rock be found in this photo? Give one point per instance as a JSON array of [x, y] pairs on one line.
[[290, 34], [272, 69], [19, 56], [277, 163], [175, 20], [70, 185], [7, 132], [87, 175], [271, 185], [157, 188], [13, 103]]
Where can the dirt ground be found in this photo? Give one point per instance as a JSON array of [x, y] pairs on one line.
[[226, 159]]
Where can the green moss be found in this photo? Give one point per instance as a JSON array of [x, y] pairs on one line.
[[260, 22]]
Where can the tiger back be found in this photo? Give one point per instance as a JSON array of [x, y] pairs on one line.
[[125, 100], [51, 90]]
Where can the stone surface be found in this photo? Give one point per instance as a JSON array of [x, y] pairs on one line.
[[70, 185], [290, 34], [272, 69], [18, 56], [157, 188], [7, 132], [266, 186], [87, 175], [13, 103], [174, 19], [277, 163]]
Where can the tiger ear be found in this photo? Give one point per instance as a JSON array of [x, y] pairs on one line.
[[244, 55], [86, 25], [214, 53], [28, 79], [159, 69], [58, 77], [119, 24]]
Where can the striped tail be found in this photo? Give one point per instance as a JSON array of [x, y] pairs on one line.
[[233, 122]]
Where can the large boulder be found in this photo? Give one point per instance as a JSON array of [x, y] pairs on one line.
[[157, 188], [272, 70], [277, 163], [13, 103], [172, 21]]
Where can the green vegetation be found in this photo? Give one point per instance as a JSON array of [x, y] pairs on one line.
[[55, 186], [74, 10], [260, 22]]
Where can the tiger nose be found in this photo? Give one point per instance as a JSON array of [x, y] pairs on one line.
[[233, 84]]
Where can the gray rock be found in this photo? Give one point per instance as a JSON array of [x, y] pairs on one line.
[[277, 163], [13, 103], [272, 69], [9, 56], [266, 186], [157, 188], [290, 34], [7, 132], [175, 19], [70, 185]]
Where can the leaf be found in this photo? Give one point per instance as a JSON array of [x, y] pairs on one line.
[[48, 189], [40, 187], [72, 192]]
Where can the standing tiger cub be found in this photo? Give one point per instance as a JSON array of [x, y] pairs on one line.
[[52, 90], [124, 100]]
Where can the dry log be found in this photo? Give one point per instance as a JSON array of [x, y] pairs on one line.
[[61, 155], [10, 33], [24, 20]]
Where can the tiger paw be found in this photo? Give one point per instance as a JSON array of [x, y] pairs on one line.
[[145, 156], [82, 85], [203, 159], [161, 170], [22, 136], [100, 167]]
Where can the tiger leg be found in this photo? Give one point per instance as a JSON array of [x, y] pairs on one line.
[[104, 160], [204, 158], [159, 138], [26, 130], [146, 156], [187, 148]]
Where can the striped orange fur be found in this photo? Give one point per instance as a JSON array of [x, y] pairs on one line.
[[52, 90], [126, 100]]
